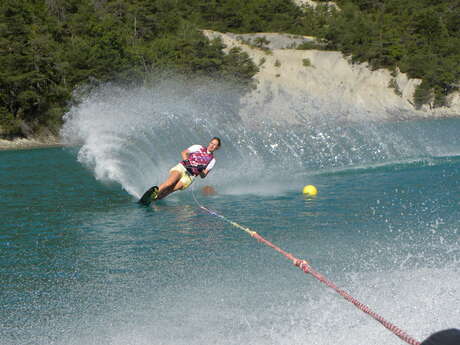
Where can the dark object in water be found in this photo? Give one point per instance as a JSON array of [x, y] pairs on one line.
[[446, 337]]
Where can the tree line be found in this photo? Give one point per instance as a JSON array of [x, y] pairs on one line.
[[48, 48]]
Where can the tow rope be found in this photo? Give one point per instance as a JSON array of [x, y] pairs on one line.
[[306, 268]]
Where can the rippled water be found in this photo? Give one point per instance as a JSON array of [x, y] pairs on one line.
[[82, 263]]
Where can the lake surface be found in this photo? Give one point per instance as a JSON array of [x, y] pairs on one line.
[[82, 263]]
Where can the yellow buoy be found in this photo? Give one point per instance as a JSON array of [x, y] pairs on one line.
[[310, 190]]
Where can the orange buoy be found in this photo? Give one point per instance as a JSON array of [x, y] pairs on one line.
[[208, 190]]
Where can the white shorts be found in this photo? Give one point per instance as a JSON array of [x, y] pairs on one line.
[[186, 178]]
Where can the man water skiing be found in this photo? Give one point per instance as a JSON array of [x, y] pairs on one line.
[[197, 160]]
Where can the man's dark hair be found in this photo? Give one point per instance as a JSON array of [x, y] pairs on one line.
[[216, 138]]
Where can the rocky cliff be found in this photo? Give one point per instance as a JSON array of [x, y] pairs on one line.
[[293, 85]]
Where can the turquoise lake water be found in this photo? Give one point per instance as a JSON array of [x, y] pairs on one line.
[[82, 263]]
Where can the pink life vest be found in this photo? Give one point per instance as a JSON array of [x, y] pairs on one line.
[[199, 160]]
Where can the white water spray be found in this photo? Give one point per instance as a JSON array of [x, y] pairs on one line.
[[134, 135]]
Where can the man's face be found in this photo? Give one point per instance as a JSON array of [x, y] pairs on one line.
[[213, 145]]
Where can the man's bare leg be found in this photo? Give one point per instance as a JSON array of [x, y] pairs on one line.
[[169, 185]]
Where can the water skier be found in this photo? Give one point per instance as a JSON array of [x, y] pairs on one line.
[[197, 160]]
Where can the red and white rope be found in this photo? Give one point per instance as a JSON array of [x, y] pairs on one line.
[[306, 268]]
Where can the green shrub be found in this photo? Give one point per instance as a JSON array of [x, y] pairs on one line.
[[9, 126], [394, 85], [423, 95], [306, 62], [309, 45], [261, 42]]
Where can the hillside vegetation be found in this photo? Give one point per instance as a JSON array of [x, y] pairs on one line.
[[49, 48]]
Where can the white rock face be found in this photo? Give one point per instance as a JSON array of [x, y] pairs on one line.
[[293, 85], [314, 3]]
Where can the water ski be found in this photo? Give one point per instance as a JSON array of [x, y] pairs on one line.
[[149, 196]]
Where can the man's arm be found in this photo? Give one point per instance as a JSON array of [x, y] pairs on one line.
[[204, 173]]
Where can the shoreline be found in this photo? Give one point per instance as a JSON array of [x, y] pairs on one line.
[[25, 144]]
